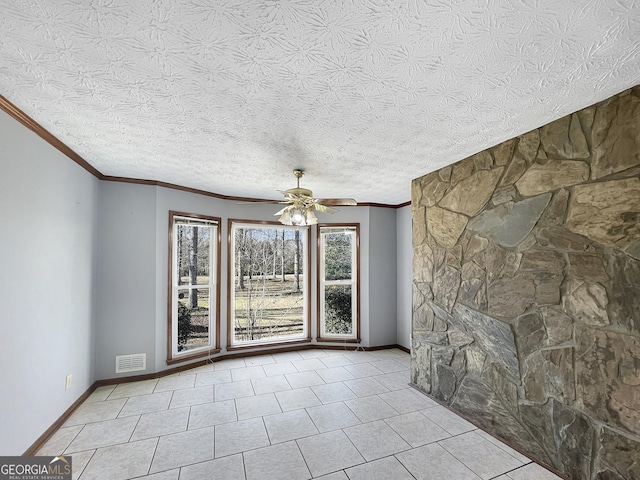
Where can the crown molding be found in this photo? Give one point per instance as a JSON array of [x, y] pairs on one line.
[[43, 133]]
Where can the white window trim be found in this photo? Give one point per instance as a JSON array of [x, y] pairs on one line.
[[175, 219], [353, 282], [233, 343]]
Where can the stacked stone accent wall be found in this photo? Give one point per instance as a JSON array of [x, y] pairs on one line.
[[526, 290]]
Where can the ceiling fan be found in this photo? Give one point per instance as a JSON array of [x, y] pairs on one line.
[[301, 204]]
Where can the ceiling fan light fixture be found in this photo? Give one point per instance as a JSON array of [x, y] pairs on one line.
[[285, 217], [300, 211], [298, 216], [311, 217]]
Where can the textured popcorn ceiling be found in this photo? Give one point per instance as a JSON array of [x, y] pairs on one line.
[[229, 96]]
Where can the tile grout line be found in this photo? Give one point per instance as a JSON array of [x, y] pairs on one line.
[[462, 462], [399, 461], [303, 457], [87, 464], [155, 450], [244, 465]]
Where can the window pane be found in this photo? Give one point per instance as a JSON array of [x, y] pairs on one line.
[[338, 309], [338, 256], [193, 250], [193, 318], [194, 289], [269, 284]]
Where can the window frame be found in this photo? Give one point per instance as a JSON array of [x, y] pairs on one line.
[[173, 356], [355, 283], [306, 275]]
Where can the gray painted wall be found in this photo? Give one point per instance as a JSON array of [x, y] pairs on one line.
[[48, 232], [382, 276], [126, 287], [404, 259]]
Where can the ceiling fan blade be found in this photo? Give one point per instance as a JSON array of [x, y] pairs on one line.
[[253, 202], [280, 212], [292, 196], [323, 208], [336, 201]]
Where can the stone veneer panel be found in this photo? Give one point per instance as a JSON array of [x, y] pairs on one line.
[[527, 290], [551, 176], [510, 223], [472, 193], [608, 212]]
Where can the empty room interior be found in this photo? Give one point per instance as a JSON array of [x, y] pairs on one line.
[[293, 239]]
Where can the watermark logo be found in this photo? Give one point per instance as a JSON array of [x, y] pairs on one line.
[[35, 468]]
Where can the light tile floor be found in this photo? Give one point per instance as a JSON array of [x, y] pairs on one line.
[[328, 414]]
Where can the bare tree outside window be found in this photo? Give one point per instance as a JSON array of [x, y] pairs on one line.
[[269, 294]]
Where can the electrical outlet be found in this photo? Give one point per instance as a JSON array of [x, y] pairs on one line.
[[67, 385]]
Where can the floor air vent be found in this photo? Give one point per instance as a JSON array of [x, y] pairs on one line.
[[131, 363]]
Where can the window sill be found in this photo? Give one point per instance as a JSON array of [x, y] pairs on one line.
[[338, 340], [266, 345], [192, 356]]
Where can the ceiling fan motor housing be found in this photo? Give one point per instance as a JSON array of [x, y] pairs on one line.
[[304, 192]]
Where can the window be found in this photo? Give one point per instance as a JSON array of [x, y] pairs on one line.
[[268, 284], [338, 272], [194, 274]]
